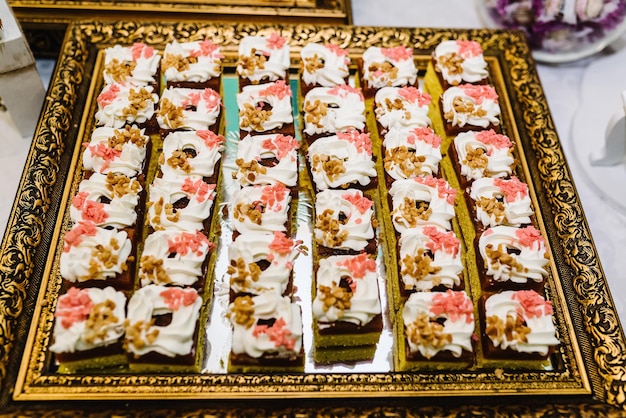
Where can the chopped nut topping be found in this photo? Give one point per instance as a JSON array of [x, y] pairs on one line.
[[315, 111], [385, 67], [249, 169], [120, 70], [242, 274], [500, 256], [333, 167], [134, 331], [412, 211], [128, 134], [138, 100], [99, 320], [459, 105], [512, 329], [475, 158], [153, 267], [253, 211], [452, 62], [409, 163], [180, 159], [330, 227], [249, 64], [418, 266], [314, 63], [121, 185], [396, 104], [243, 311], [251, 117], [492, 207], [336, 296], [171, 113], [423, 331], [178, 62]]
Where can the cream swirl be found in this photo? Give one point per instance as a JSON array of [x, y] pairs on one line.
[[402, 107], [429, 257], [333, 109], [449, 314], [357, 277], [106, 200], [180, 205], [421, 201], [176, 338], [77, 328], [343, 219], [324, 65], [342, 159], [189, 109], [511, 254], [263, 57], [471, 106], [260, 209], [174, 258], [411, 152], [534, 332], [265, 107], [194, 61], [116, 150], [386, 67], [501, 202], [138, 64], [125, 103], [273, 327], [93, 253], [460, 61], [484, 154], [255, 160], [190, 153]]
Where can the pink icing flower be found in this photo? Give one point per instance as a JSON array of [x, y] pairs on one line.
[[398, 53], [361, 141], [454, 305], [106, 153], [210, 138], [75, 306], [360, 202], [279, 89], [511, 188], [278, 333], [188, 242], [282, 145], [439, 240], [94, 212], [274, 195], [343, 90], [207, 49], [140, 50], [108, 95], [73, 237], [359, 265], [199, 188], [529, 236], [480, 92], [337, 50], [414, 95], [174, 297], [281, 243], [275, 41], [490, 137], [533, 305], [426, 135], [79, 200], [444, 191], [211, 98], [468, 49]]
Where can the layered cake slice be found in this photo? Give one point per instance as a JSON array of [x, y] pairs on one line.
[[88, 330], [460, 61], [437, 332], [401, 107], [263, 59], [138, 64], [265, 109], [512, 258], [387, 67], [189, 110], [342, 160], [411, 152], [347, 319], [267, 335], [468, 107], [162, 330], [121, 104], [193, 64], [323, 65], [264, 209]]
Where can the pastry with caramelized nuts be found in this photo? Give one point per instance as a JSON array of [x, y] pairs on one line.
[[386, 67], [323, 65], [192, 64], [263, 59]]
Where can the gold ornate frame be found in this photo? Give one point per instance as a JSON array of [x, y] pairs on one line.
[[33, 220]]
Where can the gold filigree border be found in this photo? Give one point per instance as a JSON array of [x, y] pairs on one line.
[[31, 209]]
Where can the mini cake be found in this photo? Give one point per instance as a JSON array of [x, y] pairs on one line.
[[469, 107], [401, 107], [263, 209], [267, 159], [263, 59], [511, 258], [328, 110], [518, 325], [108, 200], [344, 223], [125, 151], [138, 64], [183, 205], [429, 258], [482, 154], [346, 309], [438, 332], [88, 329], [98, 257], [411, 152], [189, 109], [162, 330], [342, 160], [194, 64], [421, 201], [121, 104], [323, 65], [459, 61], [262, 262], [191, 153], [266, 108], [495, 201], [176, 258], [267, 334], [387, 67]]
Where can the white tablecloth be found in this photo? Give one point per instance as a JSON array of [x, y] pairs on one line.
[[562, 85]]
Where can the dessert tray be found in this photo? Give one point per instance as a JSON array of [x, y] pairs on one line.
[[586, 372]]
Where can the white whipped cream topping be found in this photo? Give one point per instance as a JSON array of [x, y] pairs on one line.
[[531, 258], [335, 65], [437, 193], [357, 223], [99, 157], [459, 324], [400, 58], [446, 250], [208, 149], [353, 150], [175, 339], [207, 66], [345, 110], [413, 139], [400, 107], [200, 108], [145, 58], [500, 159], [182, 254], [276, 52], [283, 148], [78, 337], [542, 333], [116, 107], [273, 201], [516, 202], [472, 67], [255, 341], [79, 260], [482, 99], [276, 95], [365, 301], [120, 212]]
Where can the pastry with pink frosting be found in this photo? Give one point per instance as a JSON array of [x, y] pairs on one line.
[[460, 61]]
